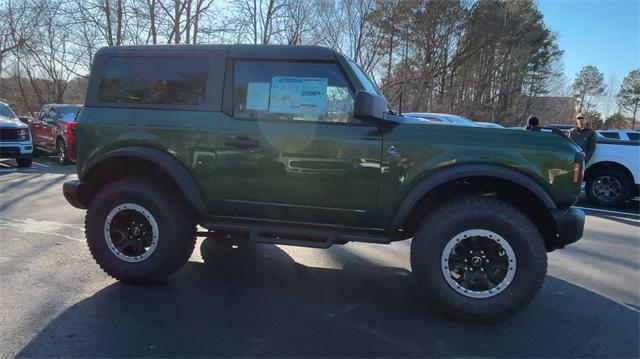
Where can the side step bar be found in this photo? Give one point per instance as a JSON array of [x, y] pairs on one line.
[[295, 235], [315, 238]]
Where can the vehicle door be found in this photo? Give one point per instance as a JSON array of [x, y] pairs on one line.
[[291, 148], [37, 126], [48, 129]]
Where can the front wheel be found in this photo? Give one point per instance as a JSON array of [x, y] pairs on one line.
[[481, 258], [137, 232], [608, 187], [24, 162]]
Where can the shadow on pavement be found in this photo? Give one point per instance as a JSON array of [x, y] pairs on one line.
[[627, 221], [9, 166], [632, 206], [255, 300]]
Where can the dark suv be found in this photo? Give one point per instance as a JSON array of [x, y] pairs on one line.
[[53, 131], [294, 145]]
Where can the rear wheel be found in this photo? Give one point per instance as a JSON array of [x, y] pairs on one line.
[[608, 187], [480, 257], [61, 148], [137, 232]]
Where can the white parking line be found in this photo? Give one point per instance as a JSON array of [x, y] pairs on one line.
[[608, 211], [12, 169], [49, 228], [40, 164]]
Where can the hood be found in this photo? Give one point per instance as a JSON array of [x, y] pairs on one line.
[[6, 122]]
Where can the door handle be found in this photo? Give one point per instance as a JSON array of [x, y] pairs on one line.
[[241, 142]]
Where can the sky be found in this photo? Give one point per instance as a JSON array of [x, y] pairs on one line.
[[603, 33]]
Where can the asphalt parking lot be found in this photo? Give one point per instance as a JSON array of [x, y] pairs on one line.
[[356, 300]]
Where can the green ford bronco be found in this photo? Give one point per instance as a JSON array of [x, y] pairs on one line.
[[295, 145]]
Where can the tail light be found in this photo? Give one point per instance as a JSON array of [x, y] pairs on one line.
[[70, 131], [70, 137]]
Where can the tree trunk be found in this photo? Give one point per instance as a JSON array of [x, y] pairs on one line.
[[107, 14], [176, 22], [187, 24], [119, 23], [152, 16]]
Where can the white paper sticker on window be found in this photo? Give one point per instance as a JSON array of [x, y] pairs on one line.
[[299, 95], [258, 96]]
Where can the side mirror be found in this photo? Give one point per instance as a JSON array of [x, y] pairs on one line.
[[369, 106]]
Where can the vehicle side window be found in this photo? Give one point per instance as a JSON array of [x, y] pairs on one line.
[[52, 114], [633, 136], [264, 90], [166, 80], [610, 135], [43, 113]]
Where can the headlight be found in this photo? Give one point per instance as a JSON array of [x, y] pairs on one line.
[[23, 134]]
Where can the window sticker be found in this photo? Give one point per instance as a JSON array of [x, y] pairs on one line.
[[258, 96], [299, 95]]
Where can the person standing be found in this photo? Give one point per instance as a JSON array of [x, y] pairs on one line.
[[584, 136]]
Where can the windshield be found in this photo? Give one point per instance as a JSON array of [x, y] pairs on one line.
[[68, 114], [5, 111]]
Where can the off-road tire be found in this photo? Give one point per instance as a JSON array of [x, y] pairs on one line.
[[61, 148], [176, 227], [479, 212], [625, 186], [24, 162]]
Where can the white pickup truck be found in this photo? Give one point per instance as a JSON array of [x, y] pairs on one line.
[[612, 175]]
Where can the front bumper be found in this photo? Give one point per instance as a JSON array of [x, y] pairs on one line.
[[11, 149], [75, 192], [569, 226]]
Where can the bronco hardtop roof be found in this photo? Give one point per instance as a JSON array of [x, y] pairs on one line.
[[290, 52]]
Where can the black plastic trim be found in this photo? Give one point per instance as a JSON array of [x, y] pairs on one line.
[[314, 236], [170, 164], [569, 226], [75, 192], [464, 171]]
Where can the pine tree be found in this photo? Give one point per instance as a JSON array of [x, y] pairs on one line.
[[629, 95], [588, 87]]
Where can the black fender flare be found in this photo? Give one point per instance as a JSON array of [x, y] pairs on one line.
[[463, 171], [168, 163]]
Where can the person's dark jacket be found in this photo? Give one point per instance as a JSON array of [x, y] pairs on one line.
[[585, 138]]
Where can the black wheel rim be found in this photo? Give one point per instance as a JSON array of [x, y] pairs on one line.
[[607, 188], [131, 232], [61, 152], [478, 263]]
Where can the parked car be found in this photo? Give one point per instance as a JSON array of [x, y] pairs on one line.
[[489, 124], [482, 208], [612, 174], [626, 135], [53, 131], [564, 128], [15, 139], [443, 118]]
